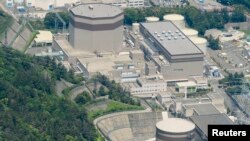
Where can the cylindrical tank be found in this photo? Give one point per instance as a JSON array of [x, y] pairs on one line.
[[152, 19], [201, 43], [190, 32], [176, 19], [135, 27], [175, 129]]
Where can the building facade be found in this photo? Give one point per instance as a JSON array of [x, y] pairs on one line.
[[179, 58], [96, 27]]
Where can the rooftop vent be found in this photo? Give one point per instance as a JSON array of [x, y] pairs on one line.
[[177, 31], [180, 34], [158, 35], [172, 34], [169, 31], [183, 37], [91, 7], [155, 32], [175, 38], [166, 35], [163, 32], [169, 38], [162, 39]]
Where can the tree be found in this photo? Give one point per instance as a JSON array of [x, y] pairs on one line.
[[82, 98], [238, 15], [213, 43], [225, 15], [101, 91], [51, 18]]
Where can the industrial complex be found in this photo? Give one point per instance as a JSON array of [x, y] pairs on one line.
[[162, 61]]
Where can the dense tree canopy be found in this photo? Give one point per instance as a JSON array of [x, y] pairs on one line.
[[230, 2], [29, 109], [238, 15], [51, 19], [115, 91], [213, 43], [194, 17]]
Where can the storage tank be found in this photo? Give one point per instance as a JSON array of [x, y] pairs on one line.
[[175, 129], [190, 32], [152, 19], [176, 19], [135, 27], [201, 43]]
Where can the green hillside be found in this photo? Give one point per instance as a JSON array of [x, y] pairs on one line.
[[29, 108], [5, 21]]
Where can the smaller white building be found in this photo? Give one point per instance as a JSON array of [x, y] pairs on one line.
[[9, 3], [201, 82], [149, 86], [135, 3], [43, 38], [164, 97], [48, 4], [186, 87]]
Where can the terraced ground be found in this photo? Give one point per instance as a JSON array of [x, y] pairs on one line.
[[130, 127]]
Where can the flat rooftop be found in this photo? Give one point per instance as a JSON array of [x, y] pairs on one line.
[[171, 38], [72, 52], [186, 84], [96, 10], [203, 121], [44, 37], [103, 64], [203, 109]]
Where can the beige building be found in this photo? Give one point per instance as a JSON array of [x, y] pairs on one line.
[[96, 27], [148, 86]]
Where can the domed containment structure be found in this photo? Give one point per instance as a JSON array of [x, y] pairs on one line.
[[190, 32], [176, 19], [152, 19], [96, 27], [201, 43], [175, 129]]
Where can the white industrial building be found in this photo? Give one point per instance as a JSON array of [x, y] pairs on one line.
[[145, 86], [136, 3], [119, 3], [48, 4], [201, 82], [43, 38], [186, 87]]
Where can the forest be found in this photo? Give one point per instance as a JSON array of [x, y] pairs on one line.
[[29, 108]]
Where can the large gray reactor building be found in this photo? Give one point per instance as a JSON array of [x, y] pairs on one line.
[[96, 27], [174, 54]]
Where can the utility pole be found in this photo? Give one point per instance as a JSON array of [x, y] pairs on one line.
[[63, 22]]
